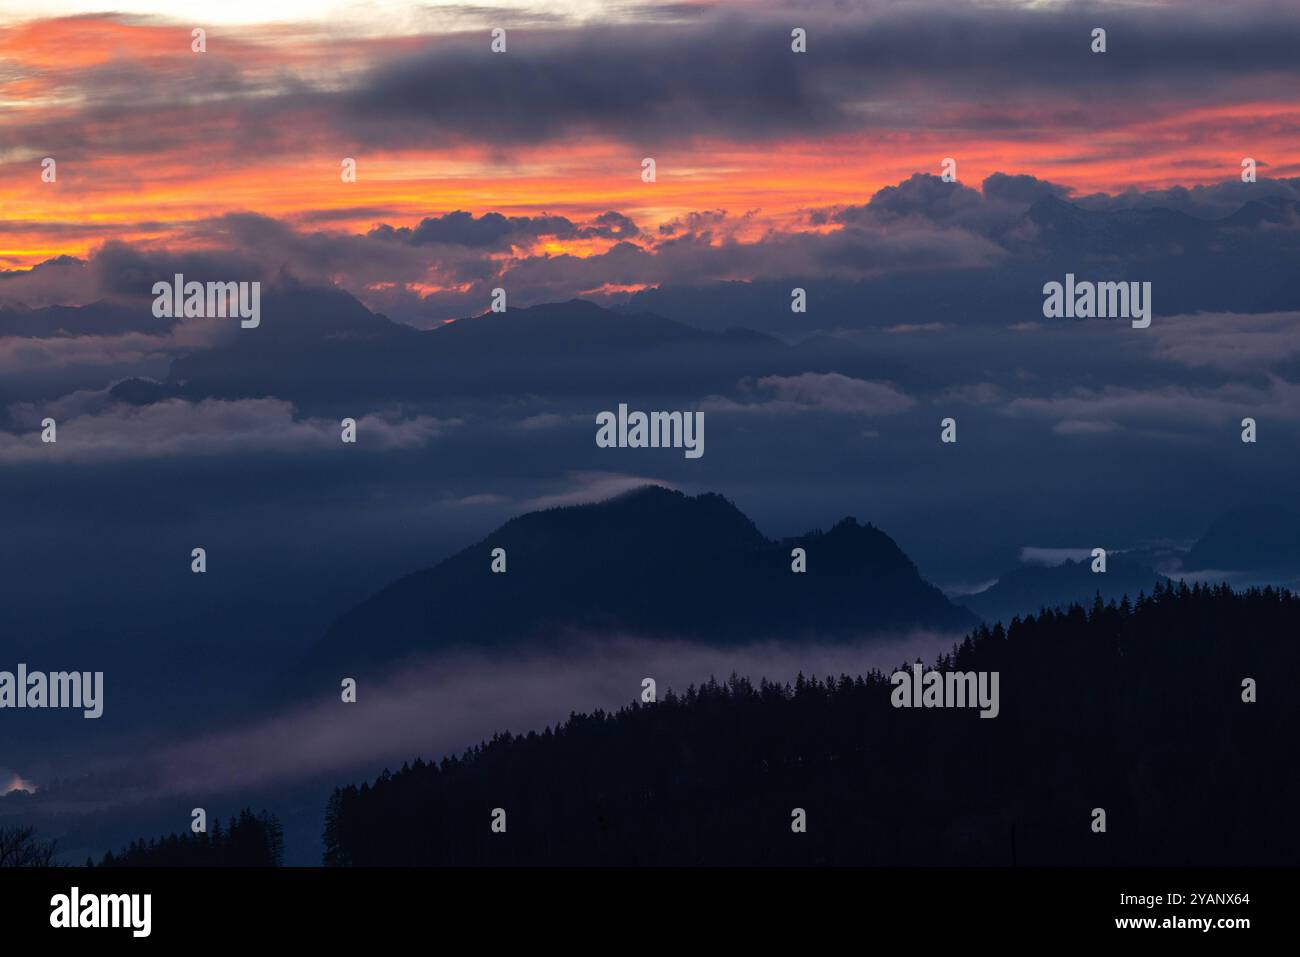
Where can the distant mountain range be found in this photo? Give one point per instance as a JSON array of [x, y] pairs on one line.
[[100, 318], [651, 562], [1140, 231], [659, 563], [1030, 588], [315, 346], [1250, 544], [557, 349], [1258, 538], [1243, 262]]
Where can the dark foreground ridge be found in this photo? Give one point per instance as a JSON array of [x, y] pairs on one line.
[[1137, 710], [249, 840]]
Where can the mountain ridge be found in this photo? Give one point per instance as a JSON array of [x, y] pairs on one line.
[[650, 562]]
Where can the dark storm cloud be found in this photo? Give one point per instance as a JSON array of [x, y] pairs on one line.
[[849, 253], [722, 77], [455, 251], [1021, 188], [495, 231], [611, 225], [491, 230], [59, 280], [1001, 201], [1020, 69], [938, 246], [127, 270], [129, 106]]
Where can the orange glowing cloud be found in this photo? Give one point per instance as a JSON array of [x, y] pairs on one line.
[[150, 139]]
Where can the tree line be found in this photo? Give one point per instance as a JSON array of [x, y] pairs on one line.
[[1137, 709], [247, 840]]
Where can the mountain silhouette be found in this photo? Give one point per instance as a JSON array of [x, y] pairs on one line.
[[319, 345], [1074, 229], [1259, 538], [1275, 210], [1140, 232], [1030, 588], [98, 318], [651, 562]]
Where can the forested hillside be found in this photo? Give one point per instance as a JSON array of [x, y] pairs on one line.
[[1134, 708]]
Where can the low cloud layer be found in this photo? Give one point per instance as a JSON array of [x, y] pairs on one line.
[[99, 430], [451, 703], [813, 392]]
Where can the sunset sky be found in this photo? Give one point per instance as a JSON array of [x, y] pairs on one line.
[[155, 144], [777, 174]]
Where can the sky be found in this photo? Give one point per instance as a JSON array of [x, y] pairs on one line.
[[157, 146], [522, 171]]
